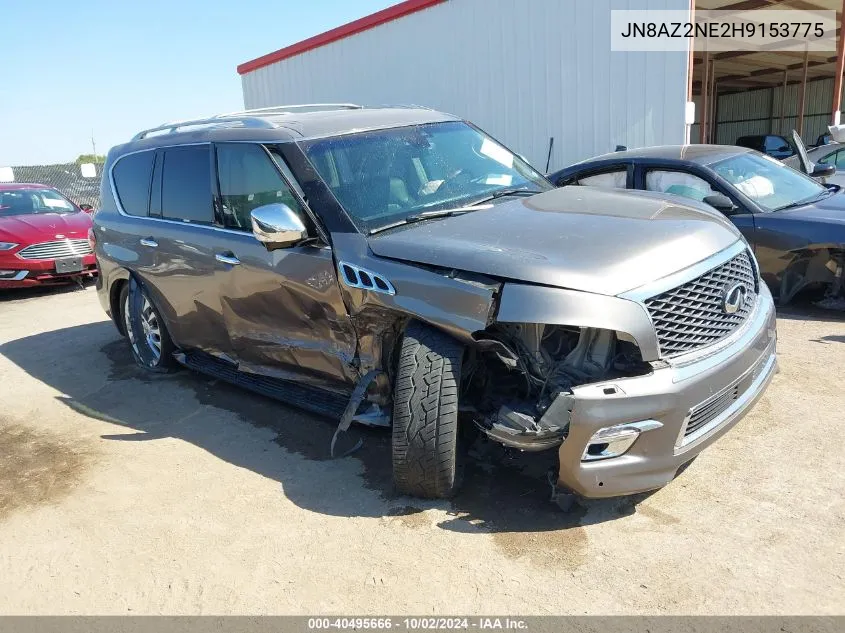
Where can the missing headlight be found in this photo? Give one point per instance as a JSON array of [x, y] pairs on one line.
[[517, 370]]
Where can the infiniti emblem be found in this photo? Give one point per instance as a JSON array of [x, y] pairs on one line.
[[734, 298]]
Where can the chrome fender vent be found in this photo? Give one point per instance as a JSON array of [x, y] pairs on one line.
[[357, 277]]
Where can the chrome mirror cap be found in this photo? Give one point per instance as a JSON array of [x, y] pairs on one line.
[[277, 225]]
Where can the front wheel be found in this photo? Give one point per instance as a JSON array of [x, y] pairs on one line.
[[148, 338], [426, 460]]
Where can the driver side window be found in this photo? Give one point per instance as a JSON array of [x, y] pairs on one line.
[[836, 158], [248, 179], [617, 179], [678, 183]]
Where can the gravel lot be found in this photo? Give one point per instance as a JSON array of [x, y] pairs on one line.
[[125, 493]]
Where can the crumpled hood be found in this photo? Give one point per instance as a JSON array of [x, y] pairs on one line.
[[44, 227], [583, 238]]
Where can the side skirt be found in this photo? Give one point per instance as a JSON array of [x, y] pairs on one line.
[[310, 399]]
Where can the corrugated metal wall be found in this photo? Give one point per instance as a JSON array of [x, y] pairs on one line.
[[524, 71], [758, 112]]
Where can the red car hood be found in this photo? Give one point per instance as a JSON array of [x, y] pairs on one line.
[[44, 227]]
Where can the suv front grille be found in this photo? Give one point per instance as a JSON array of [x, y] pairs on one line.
[[59, 248], [692, 315]]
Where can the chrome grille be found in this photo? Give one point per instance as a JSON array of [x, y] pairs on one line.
[[710, 410], [692, 315], [59, 248]]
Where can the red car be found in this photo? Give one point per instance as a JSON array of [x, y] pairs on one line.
[[43, 237]]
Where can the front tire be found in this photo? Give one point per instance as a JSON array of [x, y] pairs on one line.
[[148, 338], [426, 460]]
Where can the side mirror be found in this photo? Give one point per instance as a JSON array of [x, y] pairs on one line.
[[720, 202], [823, 171], [277, 226], [87, 208]]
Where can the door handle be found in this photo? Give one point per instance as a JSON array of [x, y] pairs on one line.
[[227, 259], [148, 241]]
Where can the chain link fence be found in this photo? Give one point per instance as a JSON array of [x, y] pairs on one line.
[[79, 182]]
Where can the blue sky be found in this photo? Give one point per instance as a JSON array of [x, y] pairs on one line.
[[70, 67]]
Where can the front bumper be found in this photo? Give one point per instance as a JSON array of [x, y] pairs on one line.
[[22, 273], [736, 374]]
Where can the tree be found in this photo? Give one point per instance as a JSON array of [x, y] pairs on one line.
[[90, 158]]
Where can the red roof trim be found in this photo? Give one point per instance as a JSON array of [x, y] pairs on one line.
[[363, 24]]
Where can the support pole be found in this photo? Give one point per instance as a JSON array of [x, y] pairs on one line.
[[782, 103], [802, 94], [690, 65], [705, 84], [840, 68], [711, 129]]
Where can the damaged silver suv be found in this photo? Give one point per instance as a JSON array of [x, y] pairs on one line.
[[399, 267]]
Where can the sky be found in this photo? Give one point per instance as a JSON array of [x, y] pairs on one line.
[[70, 69]]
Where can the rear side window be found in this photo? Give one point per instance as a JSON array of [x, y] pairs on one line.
[[777, 144], [132, 182], [186, 184], [248, 180]]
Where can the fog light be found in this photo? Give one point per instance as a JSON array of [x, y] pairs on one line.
[[614, 441], [14, 275]]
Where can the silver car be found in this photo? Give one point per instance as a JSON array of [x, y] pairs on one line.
[[399, 267], [830, 154]]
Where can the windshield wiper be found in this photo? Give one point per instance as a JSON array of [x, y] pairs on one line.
[[501, 193], [800, 203], [426, 215]]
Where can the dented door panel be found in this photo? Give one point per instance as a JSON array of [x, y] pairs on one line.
[[284, 313]]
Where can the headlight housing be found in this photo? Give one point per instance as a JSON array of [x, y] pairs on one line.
[[7, 246]]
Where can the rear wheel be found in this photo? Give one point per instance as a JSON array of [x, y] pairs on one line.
[[426, 459], [148, 338]]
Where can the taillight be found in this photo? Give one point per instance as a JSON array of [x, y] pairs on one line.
[[92, 238]]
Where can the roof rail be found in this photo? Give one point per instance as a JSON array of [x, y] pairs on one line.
[[296, 107], [247, 118], [406, 106], [176, 126]]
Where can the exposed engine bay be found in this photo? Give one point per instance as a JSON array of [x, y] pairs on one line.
[[512, 379]]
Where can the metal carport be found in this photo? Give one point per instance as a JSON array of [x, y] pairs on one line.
[[761, 92]]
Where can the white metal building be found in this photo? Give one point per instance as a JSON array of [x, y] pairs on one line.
[[524, 70]]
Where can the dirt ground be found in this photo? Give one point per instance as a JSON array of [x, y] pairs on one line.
[[126, 493]]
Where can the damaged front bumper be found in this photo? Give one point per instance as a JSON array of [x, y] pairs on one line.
[[670, 415]]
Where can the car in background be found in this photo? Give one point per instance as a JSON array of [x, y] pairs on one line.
[[824, 139], [43, 237], [832, 154], [773, 145], [792, 153], [795, 225]]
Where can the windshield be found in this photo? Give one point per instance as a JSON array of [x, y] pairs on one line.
[[385, 176], [31, 201], [767, 181]]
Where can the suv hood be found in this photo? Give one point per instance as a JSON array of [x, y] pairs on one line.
[[603, 241]]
